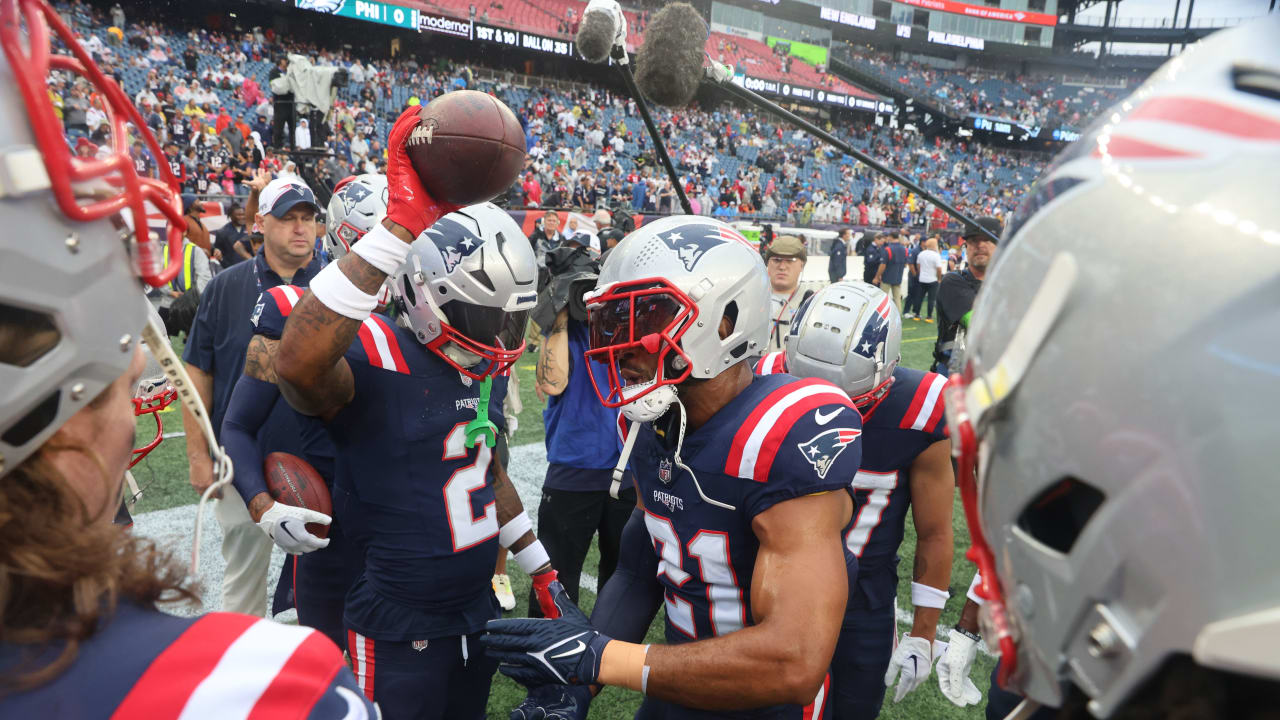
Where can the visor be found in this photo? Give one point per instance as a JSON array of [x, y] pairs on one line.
[[483, 331], [642, 316]]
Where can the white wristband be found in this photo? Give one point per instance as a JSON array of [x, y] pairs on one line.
[[928, 596], [973, 590], [532, 557], [335, 290], [382, 249], [514, 529]]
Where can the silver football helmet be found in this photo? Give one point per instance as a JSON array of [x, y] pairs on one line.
[[70, 300], [358, 204], [849, 334], [467, 288], [663, 290], [1122, 421]]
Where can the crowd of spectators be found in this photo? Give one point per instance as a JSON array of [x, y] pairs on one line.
[[1026, 100], [206, 97]]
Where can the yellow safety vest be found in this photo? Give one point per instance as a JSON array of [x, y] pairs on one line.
[[182, 282]]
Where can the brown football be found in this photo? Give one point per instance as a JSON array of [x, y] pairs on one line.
[[292, 481], [469, 147]]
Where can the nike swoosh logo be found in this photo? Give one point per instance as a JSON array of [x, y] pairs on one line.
[[355, 706], [821, 419], [581, 646]]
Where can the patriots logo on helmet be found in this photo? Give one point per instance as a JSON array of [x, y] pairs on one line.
[[692, 242], [454, 241], [822, 449], [352, 194]]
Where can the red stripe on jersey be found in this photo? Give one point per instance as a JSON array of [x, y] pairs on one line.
[[164, 689], [1127, 147], [740, 438], [1209, 115], [773, 363], [379, 346], [284, 300], [813, 711], [773, 441], [302, 681], [393, 342], [917, 402]]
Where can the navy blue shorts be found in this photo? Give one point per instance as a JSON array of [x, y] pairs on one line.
[[440, 679], [321, 581]]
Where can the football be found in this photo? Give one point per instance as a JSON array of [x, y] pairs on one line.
[[469, 147], [292, 481]]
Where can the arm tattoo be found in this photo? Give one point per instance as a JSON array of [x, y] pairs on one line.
[[260, 359], [260, 504]]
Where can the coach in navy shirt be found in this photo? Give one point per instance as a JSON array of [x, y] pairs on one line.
[[214, 357]]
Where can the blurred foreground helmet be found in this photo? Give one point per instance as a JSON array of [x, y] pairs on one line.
[[76, 239], [1120, 388], [358, 203]]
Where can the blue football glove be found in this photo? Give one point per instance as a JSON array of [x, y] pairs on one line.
[[537, 651], [554, 702]]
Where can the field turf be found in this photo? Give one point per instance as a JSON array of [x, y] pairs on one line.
[[163, 475]]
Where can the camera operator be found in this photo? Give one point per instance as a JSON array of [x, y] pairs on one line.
[[581, 434], [282, 99]]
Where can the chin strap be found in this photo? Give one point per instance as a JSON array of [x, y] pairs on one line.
[[680, 463], [627, 445], [158, 343], [482, 428]]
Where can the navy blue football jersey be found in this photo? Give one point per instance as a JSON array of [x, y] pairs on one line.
[[145, 663], [780, 439], [269, 316]]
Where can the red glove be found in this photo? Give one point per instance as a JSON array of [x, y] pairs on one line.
[[408, 203], [542, 589]]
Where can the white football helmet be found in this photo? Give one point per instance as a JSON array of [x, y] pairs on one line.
[[70, 267], [663, 291], [849, 334], [467, 288], [359, 203], [1119, 392]]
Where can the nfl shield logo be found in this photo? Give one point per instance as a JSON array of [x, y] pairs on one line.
[[664, 471], [418, 645]]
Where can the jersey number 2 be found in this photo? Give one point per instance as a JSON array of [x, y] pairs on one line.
[[711, 550], [467, 529]]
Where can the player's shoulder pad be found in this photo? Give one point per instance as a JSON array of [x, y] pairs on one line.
[[237, 664], [378, 344], [273, 308], [810, 407], [772, 363], [925, 411]]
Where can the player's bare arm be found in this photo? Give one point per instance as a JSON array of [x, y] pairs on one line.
[[932, 500], [313, 376], [509, 507], [553, 360], [797, 609], [201, 472], [259, 363]]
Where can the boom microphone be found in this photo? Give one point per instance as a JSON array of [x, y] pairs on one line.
[[603, 27], [669, 63]]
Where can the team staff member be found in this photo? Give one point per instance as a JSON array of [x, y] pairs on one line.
[[958, 289], [785, 260], [214, 357], [582, 449]]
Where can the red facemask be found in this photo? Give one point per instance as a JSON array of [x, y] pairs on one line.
[[131, 192], [649, 315], [151, 402]]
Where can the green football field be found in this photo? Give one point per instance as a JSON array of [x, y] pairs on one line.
[[163, 476]]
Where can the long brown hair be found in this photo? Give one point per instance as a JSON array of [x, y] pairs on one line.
[[61, 571]]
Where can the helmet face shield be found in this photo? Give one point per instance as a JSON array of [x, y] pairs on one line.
[[486, 332], [643, 316]]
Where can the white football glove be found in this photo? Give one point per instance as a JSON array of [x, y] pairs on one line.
[[286, 526], [953, 671], [911, 664]]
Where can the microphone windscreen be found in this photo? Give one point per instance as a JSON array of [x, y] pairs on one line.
[[595, 36], [669, 63]]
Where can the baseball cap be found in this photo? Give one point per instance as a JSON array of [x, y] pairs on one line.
[[990, 223], [281, 194], [787, 246]]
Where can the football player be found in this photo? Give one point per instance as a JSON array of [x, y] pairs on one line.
[[849, 334], [320, 580], [744, 484], [80, 632], [1123, 510], [414, 413]]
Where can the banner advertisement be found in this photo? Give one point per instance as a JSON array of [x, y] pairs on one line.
[[985, 13], [367, 10]]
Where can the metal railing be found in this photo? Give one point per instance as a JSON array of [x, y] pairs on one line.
[[1166, 23]]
